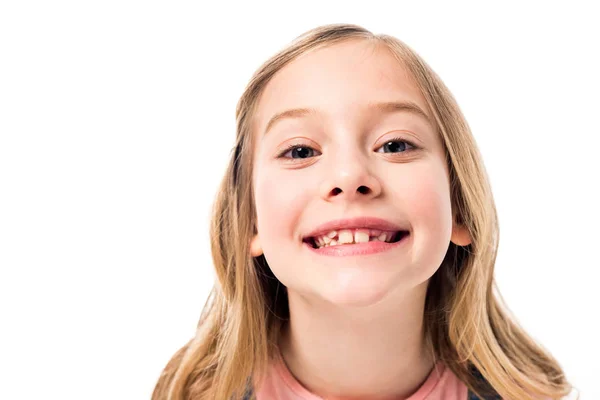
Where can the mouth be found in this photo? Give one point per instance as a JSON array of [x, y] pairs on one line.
[[345, 237]]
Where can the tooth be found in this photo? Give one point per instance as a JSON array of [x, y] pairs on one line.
[[345, 236], [349, 236], [361, 237], [375, 232]]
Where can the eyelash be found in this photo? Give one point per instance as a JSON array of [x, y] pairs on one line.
[[396, 139]]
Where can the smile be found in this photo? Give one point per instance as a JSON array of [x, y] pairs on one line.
[[349, 242]]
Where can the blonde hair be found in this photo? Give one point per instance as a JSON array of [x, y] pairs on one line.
[[465, 325]]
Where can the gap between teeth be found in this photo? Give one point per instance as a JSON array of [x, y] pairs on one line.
[[346, 237]]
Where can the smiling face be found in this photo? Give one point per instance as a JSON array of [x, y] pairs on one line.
[[353, 159]]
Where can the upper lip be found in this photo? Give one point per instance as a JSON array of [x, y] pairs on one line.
[[355, 223]]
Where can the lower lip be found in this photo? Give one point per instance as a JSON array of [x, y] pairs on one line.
[[358, 249]]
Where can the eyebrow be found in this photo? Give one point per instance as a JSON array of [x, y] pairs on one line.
[[384, 107]]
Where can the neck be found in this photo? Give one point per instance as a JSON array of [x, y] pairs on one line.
[[375, 352]]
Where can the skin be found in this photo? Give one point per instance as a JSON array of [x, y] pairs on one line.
[[356, 322]]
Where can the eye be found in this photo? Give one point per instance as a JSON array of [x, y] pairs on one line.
[[397, 145], [301, 151]]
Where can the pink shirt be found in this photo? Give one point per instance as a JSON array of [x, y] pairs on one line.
[[280, 384]]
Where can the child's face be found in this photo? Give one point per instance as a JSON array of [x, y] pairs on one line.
[[344, 150]]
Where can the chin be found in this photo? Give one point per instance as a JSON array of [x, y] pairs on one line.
[[355, 291]]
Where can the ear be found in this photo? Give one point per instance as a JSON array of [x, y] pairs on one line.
[[255, 247], [460, 235]]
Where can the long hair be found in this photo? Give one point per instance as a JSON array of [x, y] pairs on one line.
[[465, 323]]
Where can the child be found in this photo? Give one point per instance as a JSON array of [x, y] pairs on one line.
[[354, 239]]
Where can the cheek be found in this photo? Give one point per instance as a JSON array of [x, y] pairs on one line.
[[425, 201], [429, 199], [280, 198]]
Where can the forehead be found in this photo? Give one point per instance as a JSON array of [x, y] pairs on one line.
[[341, 81]]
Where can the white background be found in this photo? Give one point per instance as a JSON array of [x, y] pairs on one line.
[[117, 119]]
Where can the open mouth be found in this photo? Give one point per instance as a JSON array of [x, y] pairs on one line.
[[354, 236]]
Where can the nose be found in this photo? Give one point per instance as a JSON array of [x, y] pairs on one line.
[[350, 181]]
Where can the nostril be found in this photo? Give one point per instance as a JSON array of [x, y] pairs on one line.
[[363, 190]]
